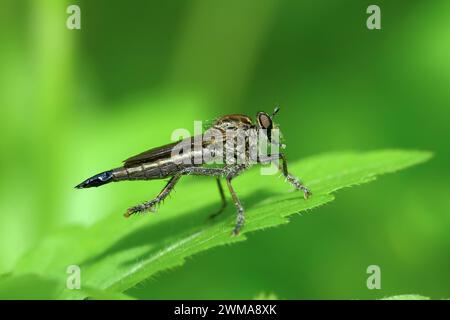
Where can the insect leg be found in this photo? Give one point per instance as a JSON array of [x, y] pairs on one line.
[[222, 197], [292, 179], [199, 171], [289, 177], [234, 171], [240, 218], [149, 205], [229, 172]]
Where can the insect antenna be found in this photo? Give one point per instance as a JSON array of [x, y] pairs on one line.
[[275, 111]]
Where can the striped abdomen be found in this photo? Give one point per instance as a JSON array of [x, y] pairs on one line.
[[158, 169]]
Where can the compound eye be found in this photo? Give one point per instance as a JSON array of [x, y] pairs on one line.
[[264, 120]]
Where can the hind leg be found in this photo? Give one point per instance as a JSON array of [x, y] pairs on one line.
[[150, 205]]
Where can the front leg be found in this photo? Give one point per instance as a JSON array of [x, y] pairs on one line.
[[294, 180], [150, 205], [289, 177]]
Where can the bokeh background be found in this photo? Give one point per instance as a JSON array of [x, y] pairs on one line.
[[75, 102]]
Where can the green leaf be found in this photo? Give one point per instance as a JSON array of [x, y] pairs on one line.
[[266, 296], [406, 297], [34, 287], [30, 287], [116, 253]]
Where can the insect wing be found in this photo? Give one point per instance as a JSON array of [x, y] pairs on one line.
[[153, 154], [165, 151]]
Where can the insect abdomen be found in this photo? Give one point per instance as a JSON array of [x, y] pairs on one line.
[[146, 171], [97, 180]]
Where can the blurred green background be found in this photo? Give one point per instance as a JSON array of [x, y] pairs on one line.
[[76, 102]]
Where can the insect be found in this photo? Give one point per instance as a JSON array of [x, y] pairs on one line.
[[184, 157]]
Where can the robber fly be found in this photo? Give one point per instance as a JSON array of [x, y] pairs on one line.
[[162, 162]]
